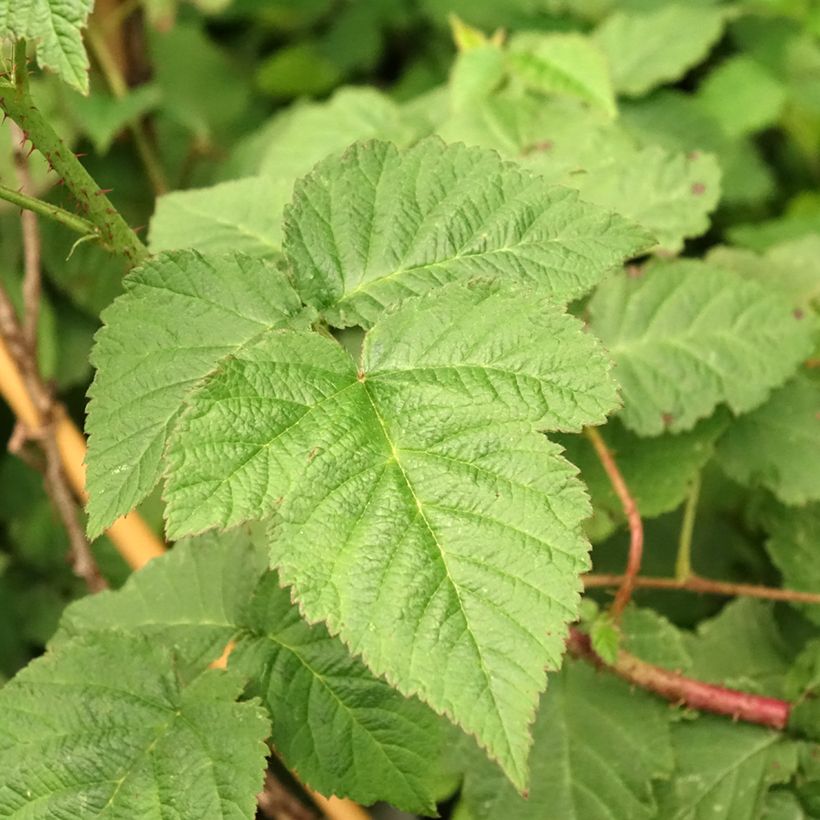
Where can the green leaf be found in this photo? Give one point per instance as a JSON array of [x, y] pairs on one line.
[[413, 496], [108, 728], [654, 639], [102, 116], [377, 225], [777, 446], [792, 545], [554, 138], [659, 46], [605, 637], [192, 598], [676, 121], [742, 95], [780, 804], [214, 589], [598, 747], [565, 65], [56, 26], [723, 770], [687, 336], [244, 215], [384, 747], [181, 313], [474, 75], [203, 90], [295, 140], [741, 648], [799, 220], [669, 194], [793, 267]]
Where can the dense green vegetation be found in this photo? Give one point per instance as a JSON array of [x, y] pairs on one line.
[[453, 419]]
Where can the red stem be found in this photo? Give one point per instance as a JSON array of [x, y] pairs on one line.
[[681, 690], [633, 518]]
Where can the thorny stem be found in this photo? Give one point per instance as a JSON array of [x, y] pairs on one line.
[[685, 691], [706, 586], [633, 517], [683, 562], [49, 211], [119, 88], [16, 102]]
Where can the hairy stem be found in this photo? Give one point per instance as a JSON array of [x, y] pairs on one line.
[[706, 586], [683, 562], [633, 517], [685, 691], [92, 200], [49, 211]]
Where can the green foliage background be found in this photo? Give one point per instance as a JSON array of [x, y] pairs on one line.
[[685, 138]]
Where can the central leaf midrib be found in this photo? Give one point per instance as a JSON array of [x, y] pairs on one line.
[[395, 453]]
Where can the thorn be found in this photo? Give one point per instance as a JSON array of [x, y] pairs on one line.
[[60, 181], [103, 191], [138, 229], [81, 154]]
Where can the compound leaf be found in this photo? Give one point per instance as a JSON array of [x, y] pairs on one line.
[[687, 336], [181, 313], [418, 511], [215, 589], [377, 225], [56, 26], [659, 46], [582, 719], [107, 728], [777, 446]]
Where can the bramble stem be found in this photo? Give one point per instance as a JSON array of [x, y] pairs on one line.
[[706, 586], [113, 229], [680, 689], [633, 517], [49, 211], [683, 562]]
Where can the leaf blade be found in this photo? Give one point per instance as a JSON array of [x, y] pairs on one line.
[[369, 482], [147, 360], [377, 225]]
